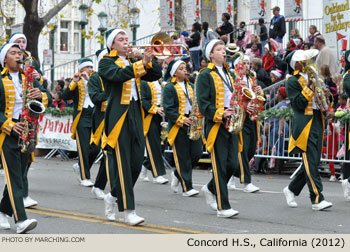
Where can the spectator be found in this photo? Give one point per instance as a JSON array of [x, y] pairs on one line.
[[277, 26], [204, 62], [59, 85], [276, 76], [208, 34], [267, 59], [291, 46], [313, 34], [307, 46], [294, 33], [193, 43], [58, 102], [239, 34], [254, 39], [262, 33], [330, 84], [262, 76], [226, 29], [279, 128], [253, 51], [231, 49], [325, 56]]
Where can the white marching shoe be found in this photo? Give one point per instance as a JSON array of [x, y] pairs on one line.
[[210, 198], [290, 197], [4, 222], [143, 174], [346, 188], [76, 169], [190, 193], [110, 206], [250, 188], [323, 205], [228, 213], [131, 218], [25, 226], [86, 183], [175, 183], [160, 180], [98, 193], [231, 185], [29, 202]]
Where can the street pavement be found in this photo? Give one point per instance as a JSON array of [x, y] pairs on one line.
[[67, 208]]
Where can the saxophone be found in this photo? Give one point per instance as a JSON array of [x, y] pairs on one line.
[[321, 93], [259, 100], [194, 130], [31, 109], [239, 100], [163, 124]]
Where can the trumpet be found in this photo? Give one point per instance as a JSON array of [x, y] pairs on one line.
[[162, 45]]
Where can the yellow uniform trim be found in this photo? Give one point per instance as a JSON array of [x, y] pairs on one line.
[[241, 167], [178, 168], [150, 155], [182, 106], [9, 187], [301, 142], [104, 103], [121, 175], [80, 158], [153, 110], [139, 69], [112, 138], [75, 124], [96, 137], [216, 178], [307, 169], [44, 99], [107, 171]]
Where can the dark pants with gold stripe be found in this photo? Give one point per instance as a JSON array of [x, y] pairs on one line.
[[224, 162], [186, 155], [250, 138], [346, 166], [87, 153], [124, 162], [311, 159], [154, 161], [15, 164]]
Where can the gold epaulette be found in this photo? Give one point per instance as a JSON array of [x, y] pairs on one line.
[[296, 72]]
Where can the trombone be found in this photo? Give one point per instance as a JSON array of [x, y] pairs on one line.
[[162, 45]]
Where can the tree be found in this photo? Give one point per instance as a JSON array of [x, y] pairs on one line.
[[33, 24]]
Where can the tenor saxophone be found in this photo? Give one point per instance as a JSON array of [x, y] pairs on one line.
[[31, 109], [195, 129], [259, 100], [321, 97], [239, 100]]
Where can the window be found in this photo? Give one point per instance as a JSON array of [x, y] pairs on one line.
[[64, 35], [76, 36]]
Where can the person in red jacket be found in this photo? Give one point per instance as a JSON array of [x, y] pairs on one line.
[[269, 53]]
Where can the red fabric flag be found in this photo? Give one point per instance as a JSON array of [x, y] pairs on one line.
[[340, 36]]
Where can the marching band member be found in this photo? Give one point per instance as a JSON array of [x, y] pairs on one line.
[[123, 138], [154, 113], [248, 137], [20, 39], [307, 134], [13, 160], [99, 98], [215, 88], [177, 102], [82, 117], [346, 175]]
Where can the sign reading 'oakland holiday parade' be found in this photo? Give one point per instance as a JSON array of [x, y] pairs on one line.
[[336, 25]]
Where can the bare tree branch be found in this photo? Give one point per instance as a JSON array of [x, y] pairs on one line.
[[51, 13]]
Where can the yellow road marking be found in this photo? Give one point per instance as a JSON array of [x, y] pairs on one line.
[[102, 220]]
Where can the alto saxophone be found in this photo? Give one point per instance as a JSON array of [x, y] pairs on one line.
[[321, 97], [195, 129], [259, 100], [239, 100], [31, 110], [163, 124]]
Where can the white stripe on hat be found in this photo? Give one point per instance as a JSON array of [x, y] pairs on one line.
[[17, 36], [85, 64], [4, 51], [111, 37], [175, 67], [103, 53]]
